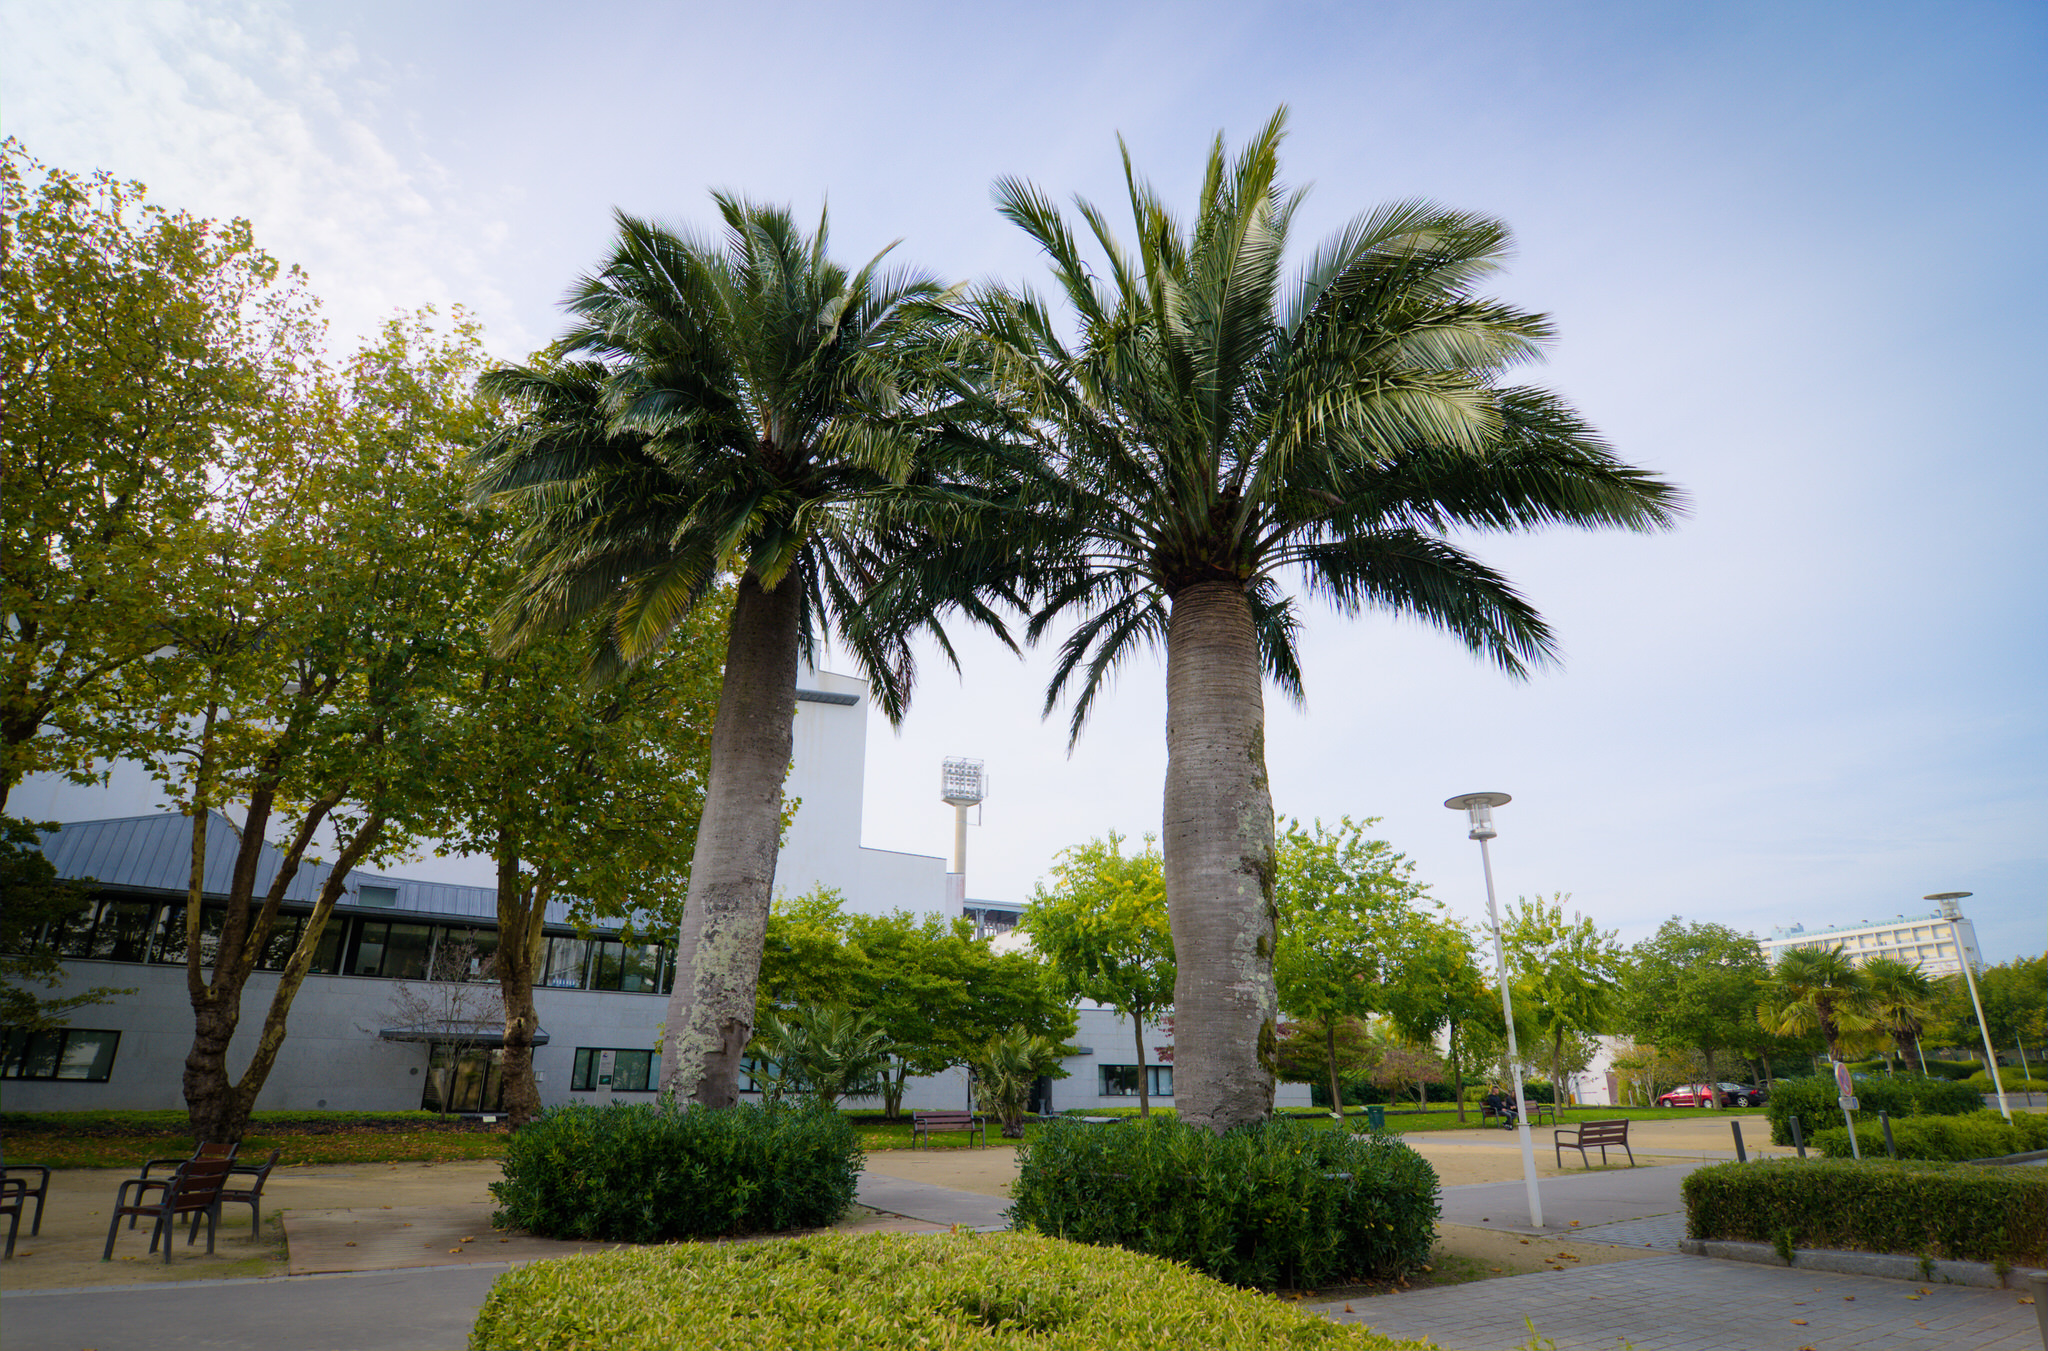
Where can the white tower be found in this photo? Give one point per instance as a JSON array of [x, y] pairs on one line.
[[962, 784]]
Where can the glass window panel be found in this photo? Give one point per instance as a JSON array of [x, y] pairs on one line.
[[14, 1044], [88, 1055], [584, 1077], [122, 934], [39, 1059], [467, 954], [1159, 1080], [327, 956], [668, 970], [72, 935], [607, 963], [567, 958], [642, 965], [635, 1072], [405, 951], [369, 958], [283, 941], [171, 934], [749, 1069], [1119, 1080]]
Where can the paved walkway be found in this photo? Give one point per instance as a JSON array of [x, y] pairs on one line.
[[1698, 1304]]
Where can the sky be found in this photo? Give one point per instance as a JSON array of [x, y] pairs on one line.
[[1792, 251]]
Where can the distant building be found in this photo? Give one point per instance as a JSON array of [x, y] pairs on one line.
[[1924, 941]]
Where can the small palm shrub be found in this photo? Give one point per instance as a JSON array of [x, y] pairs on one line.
[[1813, 1101], [645, 1172], [1279, 1203], [1006, 1069], [1953, 1139]]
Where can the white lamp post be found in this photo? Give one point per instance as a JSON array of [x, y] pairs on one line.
[[1479, 807], [1952, 912]]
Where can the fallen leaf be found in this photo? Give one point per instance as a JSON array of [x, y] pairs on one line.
[[504, 1240], [470, 1239], [1850, 1298], [1575, 1224], [1912, 1297], [1799, 1322], [2026, 1299], [455, 1250], [1525, 1242], [1347, 1308], [350, 1244]]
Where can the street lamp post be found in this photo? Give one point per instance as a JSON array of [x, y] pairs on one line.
[[1479, 807], [1952, 912]]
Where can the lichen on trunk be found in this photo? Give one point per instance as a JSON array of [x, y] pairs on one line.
[[1218, 845], [732, 872]]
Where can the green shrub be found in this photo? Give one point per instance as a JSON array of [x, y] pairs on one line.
[[831, 1291], [1813, 1100], [1951, 1210], [645, 1172], [1952, 1139], [1954, 1069], [2010, 1076], [1277, 1203]]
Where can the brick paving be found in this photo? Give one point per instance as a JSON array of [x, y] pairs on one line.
[[1698, 1304], [1652, 1231]]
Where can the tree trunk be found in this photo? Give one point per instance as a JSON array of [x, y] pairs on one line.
[[732, 872], [1330, 1059], [522, 910], [1457, 1073], [1218, 845], [1713, 1080], [892, 1090], [1138, 1029]]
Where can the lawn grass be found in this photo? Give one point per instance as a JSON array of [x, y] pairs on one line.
[[127, 1139]]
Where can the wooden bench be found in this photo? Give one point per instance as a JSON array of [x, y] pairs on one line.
[[1594, 1134], [922, 1124]]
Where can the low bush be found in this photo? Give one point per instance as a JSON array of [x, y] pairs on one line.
[[1950, 1210], [1905, 1095], [829, 1291], [1952, 1139], [1954, 1069], [645, 1172], [1279, 1203], [2010, 1076]]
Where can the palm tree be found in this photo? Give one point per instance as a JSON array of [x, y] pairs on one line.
[[717, 410], [1217, 425], [1901, 998], [1816, 990], [822, 1051], [1007, 1068]]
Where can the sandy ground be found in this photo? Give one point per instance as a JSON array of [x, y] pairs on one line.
[[357, 1217]]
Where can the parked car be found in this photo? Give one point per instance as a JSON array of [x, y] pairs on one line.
[[1727, 1095]]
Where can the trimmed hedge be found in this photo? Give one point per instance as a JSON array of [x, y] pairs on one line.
[[644, 1172], [1946, 1210], [1903, 1096], [2014, 1082], [832, 1291], [1279, 1203], [1953, 1139]]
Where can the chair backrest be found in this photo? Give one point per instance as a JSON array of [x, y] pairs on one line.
[[208, 1149], [251, 1179], [197, 1184]]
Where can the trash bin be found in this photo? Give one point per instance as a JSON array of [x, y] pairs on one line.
[[1376, 1116]]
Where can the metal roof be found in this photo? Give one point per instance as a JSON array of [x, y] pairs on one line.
[[154, 853]]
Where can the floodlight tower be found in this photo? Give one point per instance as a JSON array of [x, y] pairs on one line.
[[962, 784]]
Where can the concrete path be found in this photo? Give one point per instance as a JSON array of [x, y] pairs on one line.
[[1572, 1202], [932, 1204], [1697, 1304]]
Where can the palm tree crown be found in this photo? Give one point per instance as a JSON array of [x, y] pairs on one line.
[[1817, 990]]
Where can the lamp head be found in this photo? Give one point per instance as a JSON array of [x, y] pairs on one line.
[[1479, 808], [1948, 899]]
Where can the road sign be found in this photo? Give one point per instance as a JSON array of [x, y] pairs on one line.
[[1843, 1083], [1848, 1102]]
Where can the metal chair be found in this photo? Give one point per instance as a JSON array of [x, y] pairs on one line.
[[245, 1183], [15, 1175], [193, 1190], [207, 1150]]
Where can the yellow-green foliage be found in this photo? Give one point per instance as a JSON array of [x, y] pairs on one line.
[[875, 1292]]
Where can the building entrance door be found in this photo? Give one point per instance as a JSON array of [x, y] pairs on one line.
[[474, 1081]]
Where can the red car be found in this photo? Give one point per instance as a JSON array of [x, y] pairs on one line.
[[1728, 1095]]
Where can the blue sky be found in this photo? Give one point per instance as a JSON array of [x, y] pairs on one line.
[[1793, 251]]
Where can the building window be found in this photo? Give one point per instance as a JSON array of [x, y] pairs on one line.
[[615, 1071], [397, 951], [567, 961], [1121, 1081], [61, 1053], [632, 967], [755, 1075]]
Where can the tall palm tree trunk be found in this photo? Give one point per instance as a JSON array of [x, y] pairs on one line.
[[1219, 860], [732, 872]]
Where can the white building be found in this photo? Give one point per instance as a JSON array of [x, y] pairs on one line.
[[1925, 941]]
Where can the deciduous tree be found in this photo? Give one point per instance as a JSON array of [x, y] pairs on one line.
[[1100, 923], [1695, 986], [1568, 970]]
